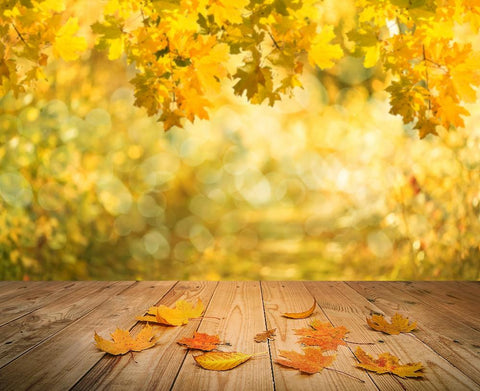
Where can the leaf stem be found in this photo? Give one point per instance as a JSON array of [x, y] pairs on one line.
[[359, 343], [346, 374]]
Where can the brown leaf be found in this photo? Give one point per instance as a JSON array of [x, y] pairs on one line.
[[123, 342], [312, 361], [262, 337], [399, 324], [387, 363], [323, 335], [301, 315], [200, 341]]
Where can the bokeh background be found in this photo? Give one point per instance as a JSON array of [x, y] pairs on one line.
[[325, 185]]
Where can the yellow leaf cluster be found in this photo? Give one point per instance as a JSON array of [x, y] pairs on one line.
[[177, 316]]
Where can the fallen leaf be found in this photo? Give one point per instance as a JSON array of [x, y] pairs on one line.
[[262, 337], [301, 315], [399, 324], [323, 335], [177, 316], [387, 363], [221, 361], [123, 343], [312, 361], [200, 341]]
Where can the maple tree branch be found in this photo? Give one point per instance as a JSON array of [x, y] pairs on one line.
[[426, 76], [273, 39], [19, 34], [346, 374]]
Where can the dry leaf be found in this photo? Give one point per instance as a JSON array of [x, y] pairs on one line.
[[177, 316], [221, 361], [262, 337], [312, 361], [387, 363], [123, 343], [398, 325], [200, 341], [322, 334], [301, 315]]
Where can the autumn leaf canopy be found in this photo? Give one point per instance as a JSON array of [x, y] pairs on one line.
[[184, 52]]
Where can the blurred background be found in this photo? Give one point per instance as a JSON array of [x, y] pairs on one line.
[[326, 185]]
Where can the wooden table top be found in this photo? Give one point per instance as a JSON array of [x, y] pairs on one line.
[[47, 328]]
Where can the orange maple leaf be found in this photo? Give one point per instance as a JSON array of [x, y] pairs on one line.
[[200, 341], [301, 315], [312, 361], [123, 342], [399, 324], [177, 316], [322, 334], [387, 363]]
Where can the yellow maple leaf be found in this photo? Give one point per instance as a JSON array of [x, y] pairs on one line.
[[123, 342], [66, 44], [387, 363], [177, 316], [399, 324], [322, 52]]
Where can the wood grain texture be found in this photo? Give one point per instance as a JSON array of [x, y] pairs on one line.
[[343, 305], [446, 335], [46, 339], [236, 309], [22, 301], [156, 367], [59, 362], [20, 335], [280, 297]]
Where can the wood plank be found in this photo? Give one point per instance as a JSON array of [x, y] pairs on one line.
[[240, 307], [344, 306], [59, 362], [21, 301], [446, 335], [20, 335], [452, 296], [280, 297], [155, 368], [7, 287]]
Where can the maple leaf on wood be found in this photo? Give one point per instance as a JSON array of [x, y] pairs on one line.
[[200, 341], [123, 342], [262, 337], [399, 324], [300, 315], [221, 361], [388, 363], [311, 361], [323, 335], [177, 316]]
